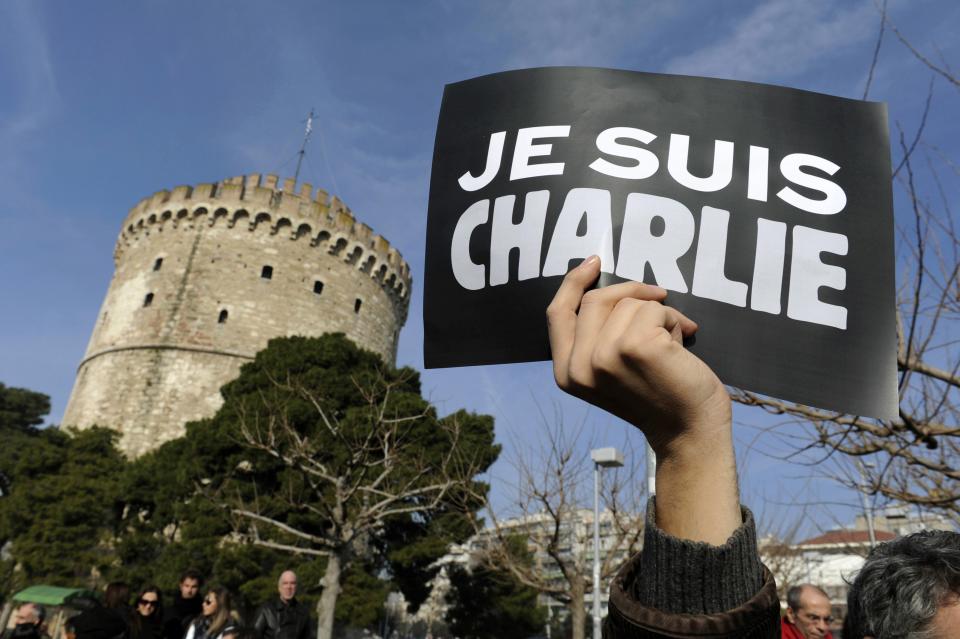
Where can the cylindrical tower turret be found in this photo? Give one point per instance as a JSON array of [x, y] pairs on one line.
[[205, 276]]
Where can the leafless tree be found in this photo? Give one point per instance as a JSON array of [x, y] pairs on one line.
[[912, 459], [553, 513]]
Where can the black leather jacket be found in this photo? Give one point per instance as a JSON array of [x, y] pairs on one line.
[[277, 620]]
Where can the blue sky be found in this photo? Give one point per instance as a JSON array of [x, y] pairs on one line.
[[104, 103]]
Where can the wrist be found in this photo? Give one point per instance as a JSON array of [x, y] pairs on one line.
[[697, 434]]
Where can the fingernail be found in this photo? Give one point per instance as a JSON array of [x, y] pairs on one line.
[[590, 261]]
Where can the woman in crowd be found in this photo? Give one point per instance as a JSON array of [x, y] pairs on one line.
[[217, 617], [106, 621], [146, 621]]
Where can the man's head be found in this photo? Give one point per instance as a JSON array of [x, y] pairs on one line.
[[909, 588], [30, 613], [808, 608], [287, 585], [190, 583]]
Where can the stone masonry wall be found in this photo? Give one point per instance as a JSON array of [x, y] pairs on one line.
[[191, 299]]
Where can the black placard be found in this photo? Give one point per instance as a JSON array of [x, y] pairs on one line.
[[765, 211]]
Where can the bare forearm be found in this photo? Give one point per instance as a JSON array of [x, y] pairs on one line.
[[697, 494]]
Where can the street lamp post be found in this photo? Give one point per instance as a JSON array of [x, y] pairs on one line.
[[607, 458]]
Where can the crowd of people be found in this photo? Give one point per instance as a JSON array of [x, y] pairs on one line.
[[193, 613]]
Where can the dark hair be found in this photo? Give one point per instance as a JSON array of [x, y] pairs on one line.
[[117, 595], [796, 592], [190, 573], [158, 609], [156, 615], [902, 585]]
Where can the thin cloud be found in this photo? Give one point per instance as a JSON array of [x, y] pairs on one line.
[[31, 99], [568, 32], [782, 39], [33, 75]]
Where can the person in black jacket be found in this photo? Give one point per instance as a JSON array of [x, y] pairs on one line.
[[284, 617], [185, 607], [146, 621], [107, 621], [28, 622]]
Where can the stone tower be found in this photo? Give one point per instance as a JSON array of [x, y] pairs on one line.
[[205, 276]]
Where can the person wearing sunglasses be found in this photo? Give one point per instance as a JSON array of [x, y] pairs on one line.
[[217, 616], [146, 620]]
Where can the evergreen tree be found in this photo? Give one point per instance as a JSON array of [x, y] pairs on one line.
[[493, 604], [64, 508], [21, 409], [324, 460]]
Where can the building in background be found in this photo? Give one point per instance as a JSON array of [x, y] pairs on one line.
[[205, 277], [575, 545], [832, 559]]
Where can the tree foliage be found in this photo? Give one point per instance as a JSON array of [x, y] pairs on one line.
[[321, 451], [65, 506], [21, 409], [486, 603], [316, 440]]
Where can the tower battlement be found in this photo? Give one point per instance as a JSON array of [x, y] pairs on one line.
[[248, 202]]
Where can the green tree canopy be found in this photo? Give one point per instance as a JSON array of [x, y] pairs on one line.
[[322, 454], [21, 409], [321, 459], [493, 604], [64, 508]]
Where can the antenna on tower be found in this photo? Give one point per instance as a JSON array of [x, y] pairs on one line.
[[303, 147]]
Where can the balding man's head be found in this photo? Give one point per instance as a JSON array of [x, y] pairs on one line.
[[29, 613], [808, 608], [287, 585]]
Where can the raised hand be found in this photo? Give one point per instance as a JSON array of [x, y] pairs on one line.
[[621, 349]]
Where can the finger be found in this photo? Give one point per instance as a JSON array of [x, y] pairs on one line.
[[670, 319], [686, 325], [562, 312], [610, 295], [621, 319], [596, 307]]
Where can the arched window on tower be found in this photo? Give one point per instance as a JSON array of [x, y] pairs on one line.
[[158, 263], [266, 272], [318, 287], [148, 300], [222, 319], [356, 305]]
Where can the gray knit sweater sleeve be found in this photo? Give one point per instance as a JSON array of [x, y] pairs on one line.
[[680, 576], [679, 588]]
